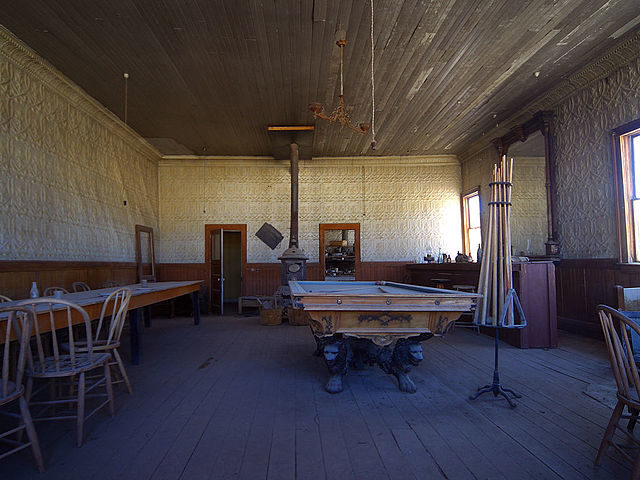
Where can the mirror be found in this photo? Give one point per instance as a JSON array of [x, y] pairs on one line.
[[528, 142], [529, 211], [145, 256], [339, 252]]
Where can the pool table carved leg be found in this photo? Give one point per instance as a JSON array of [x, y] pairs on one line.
[[337, 356], [406, 354], [404, 357]]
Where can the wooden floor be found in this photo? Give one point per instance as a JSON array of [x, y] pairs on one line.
[[233, 399]]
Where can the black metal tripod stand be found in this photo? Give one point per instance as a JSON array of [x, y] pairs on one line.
[[496, 388]]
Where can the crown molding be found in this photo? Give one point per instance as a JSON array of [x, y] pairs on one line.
[[27, 59], [620, 55], [316, 162]]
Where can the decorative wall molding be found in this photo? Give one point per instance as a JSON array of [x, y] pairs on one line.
[[28, 60], [75, 180], [321, 162], [620, 55]]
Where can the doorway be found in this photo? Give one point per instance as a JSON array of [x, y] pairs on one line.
[[225, 258], [339, 251]]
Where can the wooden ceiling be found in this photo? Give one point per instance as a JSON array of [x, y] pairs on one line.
[[207, 77]]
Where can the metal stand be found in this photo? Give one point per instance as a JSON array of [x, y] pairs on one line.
[[496, 388]]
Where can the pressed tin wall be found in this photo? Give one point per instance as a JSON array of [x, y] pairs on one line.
[[406, 207], [68, 165], [584, 170]]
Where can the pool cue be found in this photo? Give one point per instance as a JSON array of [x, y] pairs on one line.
[[494, 252], [509, 187], [480, 317]]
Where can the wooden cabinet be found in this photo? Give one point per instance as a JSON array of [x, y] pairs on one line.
[[535, 283]]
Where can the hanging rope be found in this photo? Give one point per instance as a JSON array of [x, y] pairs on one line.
[[373, 90]]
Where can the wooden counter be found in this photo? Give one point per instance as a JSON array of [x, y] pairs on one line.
[[536, 286]]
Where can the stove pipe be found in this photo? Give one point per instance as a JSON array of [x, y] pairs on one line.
[[293, 259]]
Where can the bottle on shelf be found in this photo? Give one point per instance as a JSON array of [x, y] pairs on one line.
[[34, 293]]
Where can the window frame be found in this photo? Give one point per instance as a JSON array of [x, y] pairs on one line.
[[624, 180], [464, 205]]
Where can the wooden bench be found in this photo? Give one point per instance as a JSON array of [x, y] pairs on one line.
[[252, 301]]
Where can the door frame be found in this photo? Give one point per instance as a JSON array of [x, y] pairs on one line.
[[208, 228], [323, 227]]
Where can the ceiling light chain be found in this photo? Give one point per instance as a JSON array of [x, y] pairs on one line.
[[373, 90], [126, 95]]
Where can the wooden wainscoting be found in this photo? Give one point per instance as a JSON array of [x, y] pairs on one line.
[[389, 271], [583, 284], [16, 276]]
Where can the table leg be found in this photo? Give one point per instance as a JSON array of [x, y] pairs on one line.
[[196, 308], [134, 335], [147, 316]]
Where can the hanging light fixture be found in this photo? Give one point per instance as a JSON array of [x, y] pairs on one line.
[[339, 114]]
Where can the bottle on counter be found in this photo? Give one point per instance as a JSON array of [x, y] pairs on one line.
[[479, 253], [34, 293]]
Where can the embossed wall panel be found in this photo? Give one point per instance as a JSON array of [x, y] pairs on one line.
[[68, 166], [585, 198], [405, 209]]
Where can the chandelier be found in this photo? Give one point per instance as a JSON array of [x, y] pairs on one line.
[[339, 114]]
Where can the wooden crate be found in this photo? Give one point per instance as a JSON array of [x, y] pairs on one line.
[[271, 316]]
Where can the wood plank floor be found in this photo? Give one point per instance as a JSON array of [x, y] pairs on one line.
[[231, 399]]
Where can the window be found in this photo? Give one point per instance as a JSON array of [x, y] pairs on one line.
[[472, 237], [626, 152]]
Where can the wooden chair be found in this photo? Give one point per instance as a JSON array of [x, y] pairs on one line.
[[80, 287], [617, 329], [108, 332], [5, 299], [18, 325], [72, 366], [628, 298], [50, 291]]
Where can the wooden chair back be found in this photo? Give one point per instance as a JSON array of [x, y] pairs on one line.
[[112, 316], [618, 330], [5, 299], [50, 291], [80, 287], [628, 298], [17, 325], [58, 317]]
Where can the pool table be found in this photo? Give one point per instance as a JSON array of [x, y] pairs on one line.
[[376, 322]]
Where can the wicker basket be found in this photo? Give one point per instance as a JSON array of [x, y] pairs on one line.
[[271, 316], [297, 316]]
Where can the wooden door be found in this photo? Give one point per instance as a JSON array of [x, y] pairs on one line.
[[215, 269], [213, 261]]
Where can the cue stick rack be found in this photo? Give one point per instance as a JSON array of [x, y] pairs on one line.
[[499, 301]]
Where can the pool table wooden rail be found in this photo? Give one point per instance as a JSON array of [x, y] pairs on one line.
[[379, 311]]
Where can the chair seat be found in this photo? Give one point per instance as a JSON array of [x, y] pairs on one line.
[[65, 367], [14, 392], [98, 346]]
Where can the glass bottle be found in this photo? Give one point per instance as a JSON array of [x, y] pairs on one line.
[[34, 293]]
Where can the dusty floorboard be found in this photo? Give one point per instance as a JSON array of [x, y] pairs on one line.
[[231, 399]]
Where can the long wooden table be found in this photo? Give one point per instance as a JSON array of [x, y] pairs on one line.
[[141, 297]]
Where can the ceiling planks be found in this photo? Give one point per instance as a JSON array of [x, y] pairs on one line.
[[208, 77]]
